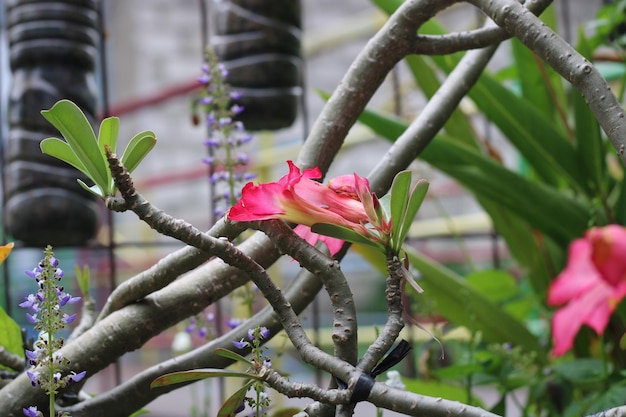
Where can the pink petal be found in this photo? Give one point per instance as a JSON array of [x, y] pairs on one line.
[[592, 308], [578, 276], [609, 247], [333, 244], [258, 202]]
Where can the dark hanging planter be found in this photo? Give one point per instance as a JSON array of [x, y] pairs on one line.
[[53, 50], [258, 41]]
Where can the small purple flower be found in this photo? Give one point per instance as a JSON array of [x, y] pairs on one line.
[[65, 298], [236, 95], [32, 318], [34, 378], [203, 331], [32, 356], [212, 143], [31, 302], [31, 411], [240, 344], [75, 377], [263, 333], [233, 322], [236, 109], [67, 319]]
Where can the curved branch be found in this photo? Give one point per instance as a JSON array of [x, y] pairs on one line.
[[394, 324], [165, 271], [344, 332], [564, 59], [134, 393], [472, 39], [392, 43]]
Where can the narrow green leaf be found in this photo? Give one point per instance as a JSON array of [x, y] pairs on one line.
[[233, 402], [109, 129], [82, 276], [346, 234], [400, 188], [107, 136], [415, 201], [10, 335], [486, 178], [138, 147], [95, 190], [197, 374], [140, 412], [77, 131], [225, 353], [60, 149]]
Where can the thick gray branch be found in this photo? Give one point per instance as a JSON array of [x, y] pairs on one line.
[[556, 52], [392, 43], [135, 393]]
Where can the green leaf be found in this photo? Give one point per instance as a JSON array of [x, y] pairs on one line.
[[415, 201], [456, 300], [77, 131], [138, 147], [497, 285], [10, 335], [225, 353], [60, 149], [611, 398], [286, 412], [82, 276], [140, 412], [107, 136], [197, 374], [346, 234], [585, 371], [94, 189], [234, 401], [399, 200], [440, 390]]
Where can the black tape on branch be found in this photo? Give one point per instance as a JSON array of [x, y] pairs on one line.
[[52, 49], [364, 384], [258, 41]]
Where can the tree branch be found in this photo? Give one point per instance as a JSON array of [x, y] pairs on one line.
[[133, 394], [518, 21], [392, 43]]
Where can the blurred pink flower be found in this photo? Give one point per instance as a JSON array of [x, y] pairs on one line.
[[298, 198], [590, 287]]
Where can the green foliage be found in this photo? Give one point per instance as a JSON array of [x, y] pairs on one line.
[[196, 375], [85, 152], [10, 335], [404, 204]]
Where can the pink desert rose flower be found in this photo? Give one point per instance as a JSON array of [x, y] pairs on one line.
[[298, 198], [591, 286]]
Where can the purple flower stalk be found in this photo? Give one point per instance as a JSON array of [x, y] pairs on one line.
[[47, 364], [226, 135]]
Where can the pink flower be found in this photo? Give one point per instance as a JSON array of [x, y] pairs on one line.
[[298, 198], [591, 285]]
